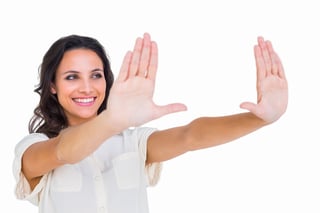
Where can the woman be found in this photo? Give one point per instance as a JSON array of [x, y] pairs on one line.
[[86, 152]]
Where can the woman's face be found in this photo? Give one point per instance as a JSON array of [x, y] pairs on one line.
[[80, 85]]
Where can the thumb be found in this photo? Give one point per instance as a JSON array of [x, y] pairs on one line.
[[253, 108], [170, 108], [249, 106]]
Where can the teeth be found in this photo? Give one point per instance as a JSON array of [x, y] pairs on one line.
[[83, 100]]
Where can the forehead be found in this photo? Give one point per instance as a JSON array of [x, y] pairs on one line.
[[80, 58]]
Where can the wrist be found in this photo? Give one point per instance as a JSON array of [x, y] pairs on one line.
[[112, 122]]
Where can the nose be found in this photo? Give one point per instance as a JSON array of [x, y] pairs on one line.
[[86, 86]]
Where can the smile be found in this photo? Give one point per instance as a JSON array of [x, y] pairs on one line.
[[84, 100]]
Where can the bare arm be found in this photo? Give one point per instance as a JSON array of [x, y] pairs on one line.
[[70, 146], [201, 133], [272, 99]]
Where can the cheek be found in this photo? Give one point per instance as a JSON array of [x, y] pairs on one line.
[[101, 87], [64, 90]]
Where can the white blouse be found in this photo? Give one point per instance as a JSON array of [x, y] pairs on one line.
[[111, 180]]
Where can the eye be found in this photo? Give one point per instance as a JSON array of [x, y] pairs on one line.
[[97, 75], [71, 77]]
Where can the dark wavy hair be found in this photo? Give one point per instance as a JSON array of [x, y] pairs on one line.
[[49, 117]]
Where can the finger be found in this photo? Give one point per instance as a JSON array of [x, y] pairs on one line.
[[260, 66], [248, 106], [281, 72], [135, 60], [170, 108], [274, 65], [124, 70], [277, 68], [153, 64], [145, 56], [265, 54], [251, 107]]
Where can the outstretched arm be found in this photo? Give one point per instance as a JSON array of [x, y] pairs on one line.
[[272, 99]]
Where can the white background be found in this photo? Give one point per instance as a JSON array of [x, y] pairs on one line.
[[206, 62]]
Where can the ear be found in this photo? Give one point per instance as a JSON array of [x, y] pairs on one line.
[[53, 89]]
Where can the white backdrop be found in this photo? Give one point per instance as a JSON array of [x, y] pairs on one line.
[[206, 62]]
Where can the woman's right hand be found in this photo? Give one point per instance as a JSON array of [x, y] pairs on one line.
[[130, 101]]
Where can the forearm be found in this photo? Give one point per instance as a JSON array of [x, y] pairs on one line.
[[211, 131], [201, 133], [77, 142]]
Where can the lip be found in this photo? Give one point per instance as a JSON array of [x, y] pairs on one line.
[[84, 101]]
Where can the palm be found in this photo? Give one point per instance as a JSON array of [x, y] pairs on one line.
[[272, 87], [132, 100]]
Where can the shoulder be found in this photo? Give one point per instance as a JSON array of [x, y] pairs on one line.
[[28, 140], [35, 136]]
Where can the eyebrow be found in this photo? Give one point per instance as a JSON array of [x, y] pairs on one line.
[[74, 71]]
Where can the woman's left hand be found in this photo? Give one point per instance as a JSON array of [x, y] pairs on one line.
[[272, 86]]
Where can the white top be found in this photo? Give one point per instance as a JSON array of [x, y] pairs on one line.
[[111, 180]]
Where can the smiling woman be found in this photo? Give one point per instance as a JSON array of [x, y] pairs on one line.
[[87, 152]]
